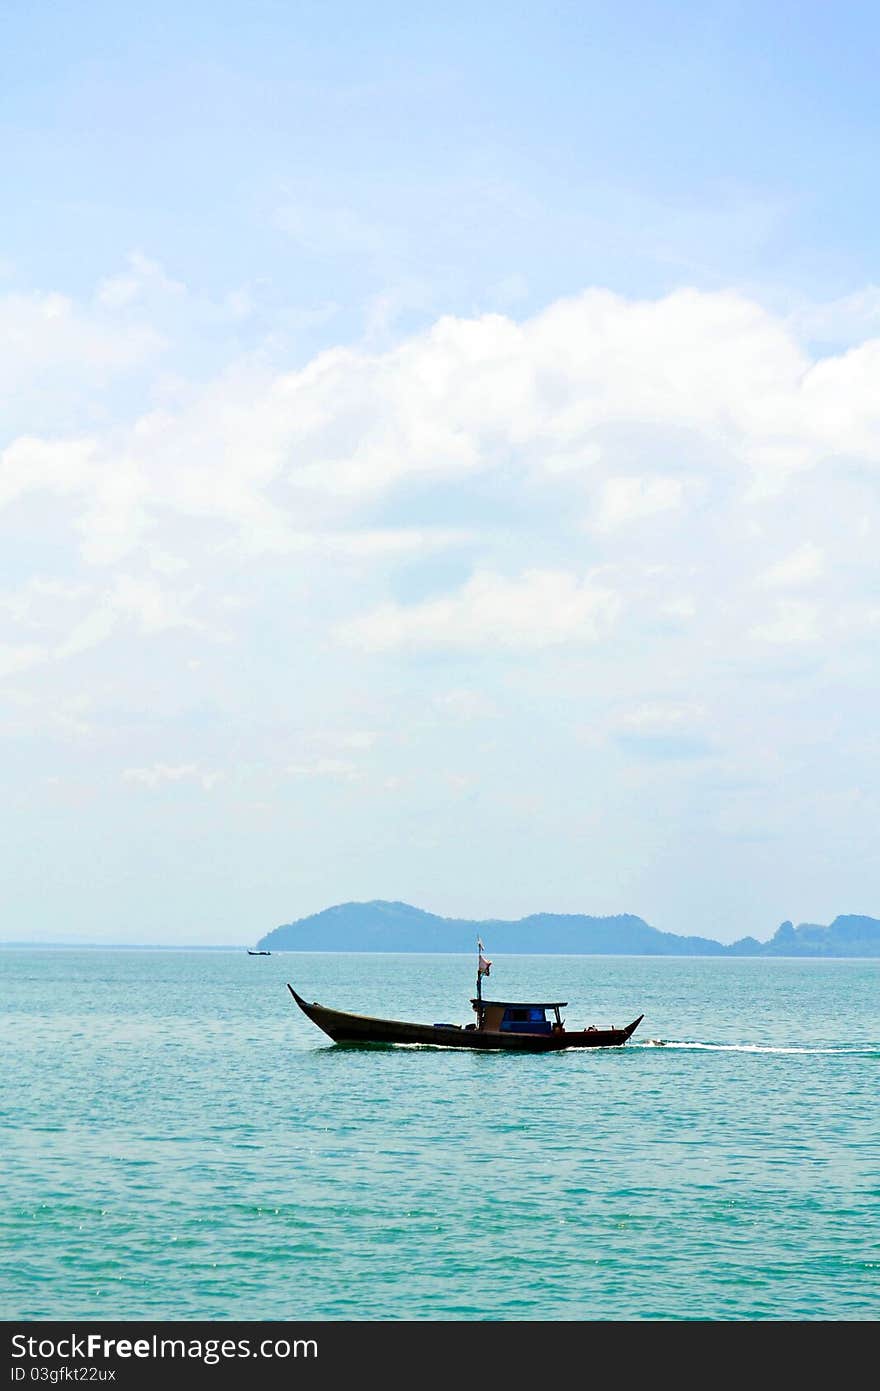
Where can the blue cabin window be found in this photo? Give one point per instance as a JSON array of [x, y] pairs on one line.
[[525, 1019]]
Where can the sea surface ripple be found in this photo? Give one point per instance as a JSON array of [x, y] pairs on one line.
[[179, 1142]]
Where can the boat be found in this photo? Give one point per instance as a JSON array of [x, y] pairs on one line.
[[258, 953], [515, 1026]]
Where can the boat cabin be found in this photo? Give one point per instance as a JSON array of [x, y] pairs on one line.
[[516, 1018]]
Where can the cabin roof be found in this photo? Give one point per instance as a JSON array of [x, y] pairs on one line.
[[522, 1004]]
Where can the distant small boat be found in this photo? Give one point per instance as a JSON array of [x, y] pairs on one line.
[[500, 1024], [258, 953]]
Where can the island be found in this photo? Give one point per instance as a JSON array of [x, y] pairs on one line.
[[384, 926]]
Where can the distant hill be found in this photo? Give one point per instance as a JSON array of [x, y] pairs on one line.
[[399, 927], [851, 934]]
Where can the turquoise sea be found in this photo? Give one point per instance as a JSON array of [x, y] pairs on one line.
[[179, 1142]]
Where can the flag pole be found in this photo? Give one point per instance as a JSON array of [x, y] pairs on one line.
[[483, 968]]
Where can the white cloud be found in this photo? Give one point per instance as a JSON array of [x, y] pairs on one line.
[[549, 453], [335, 769], [472, 395], [465, 705], [595, 390], [669, 506], [31, 602], [61, 466], [802, 566], [626, 500], [536, 610], [141, 601], [160, 773], [90, 631], [792, 621], [850, 317], [15, 658], [44, 334], [166, 564], [659, 717], [458, 782], [350, 739], [143, 275], [388, 541], [663, 731], [682, 607]]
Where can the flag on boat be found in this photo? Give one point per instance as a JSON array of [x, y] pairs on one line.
[[483, 964]]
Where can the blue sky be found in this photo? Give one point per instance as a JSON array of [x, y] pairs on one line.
[[439, 460]]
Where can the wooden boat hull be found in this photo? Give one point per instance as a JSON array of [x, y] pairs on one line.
[[360, 1028]]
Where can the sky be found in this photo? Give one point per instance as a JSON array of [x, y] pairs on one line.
[[439, 461]]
